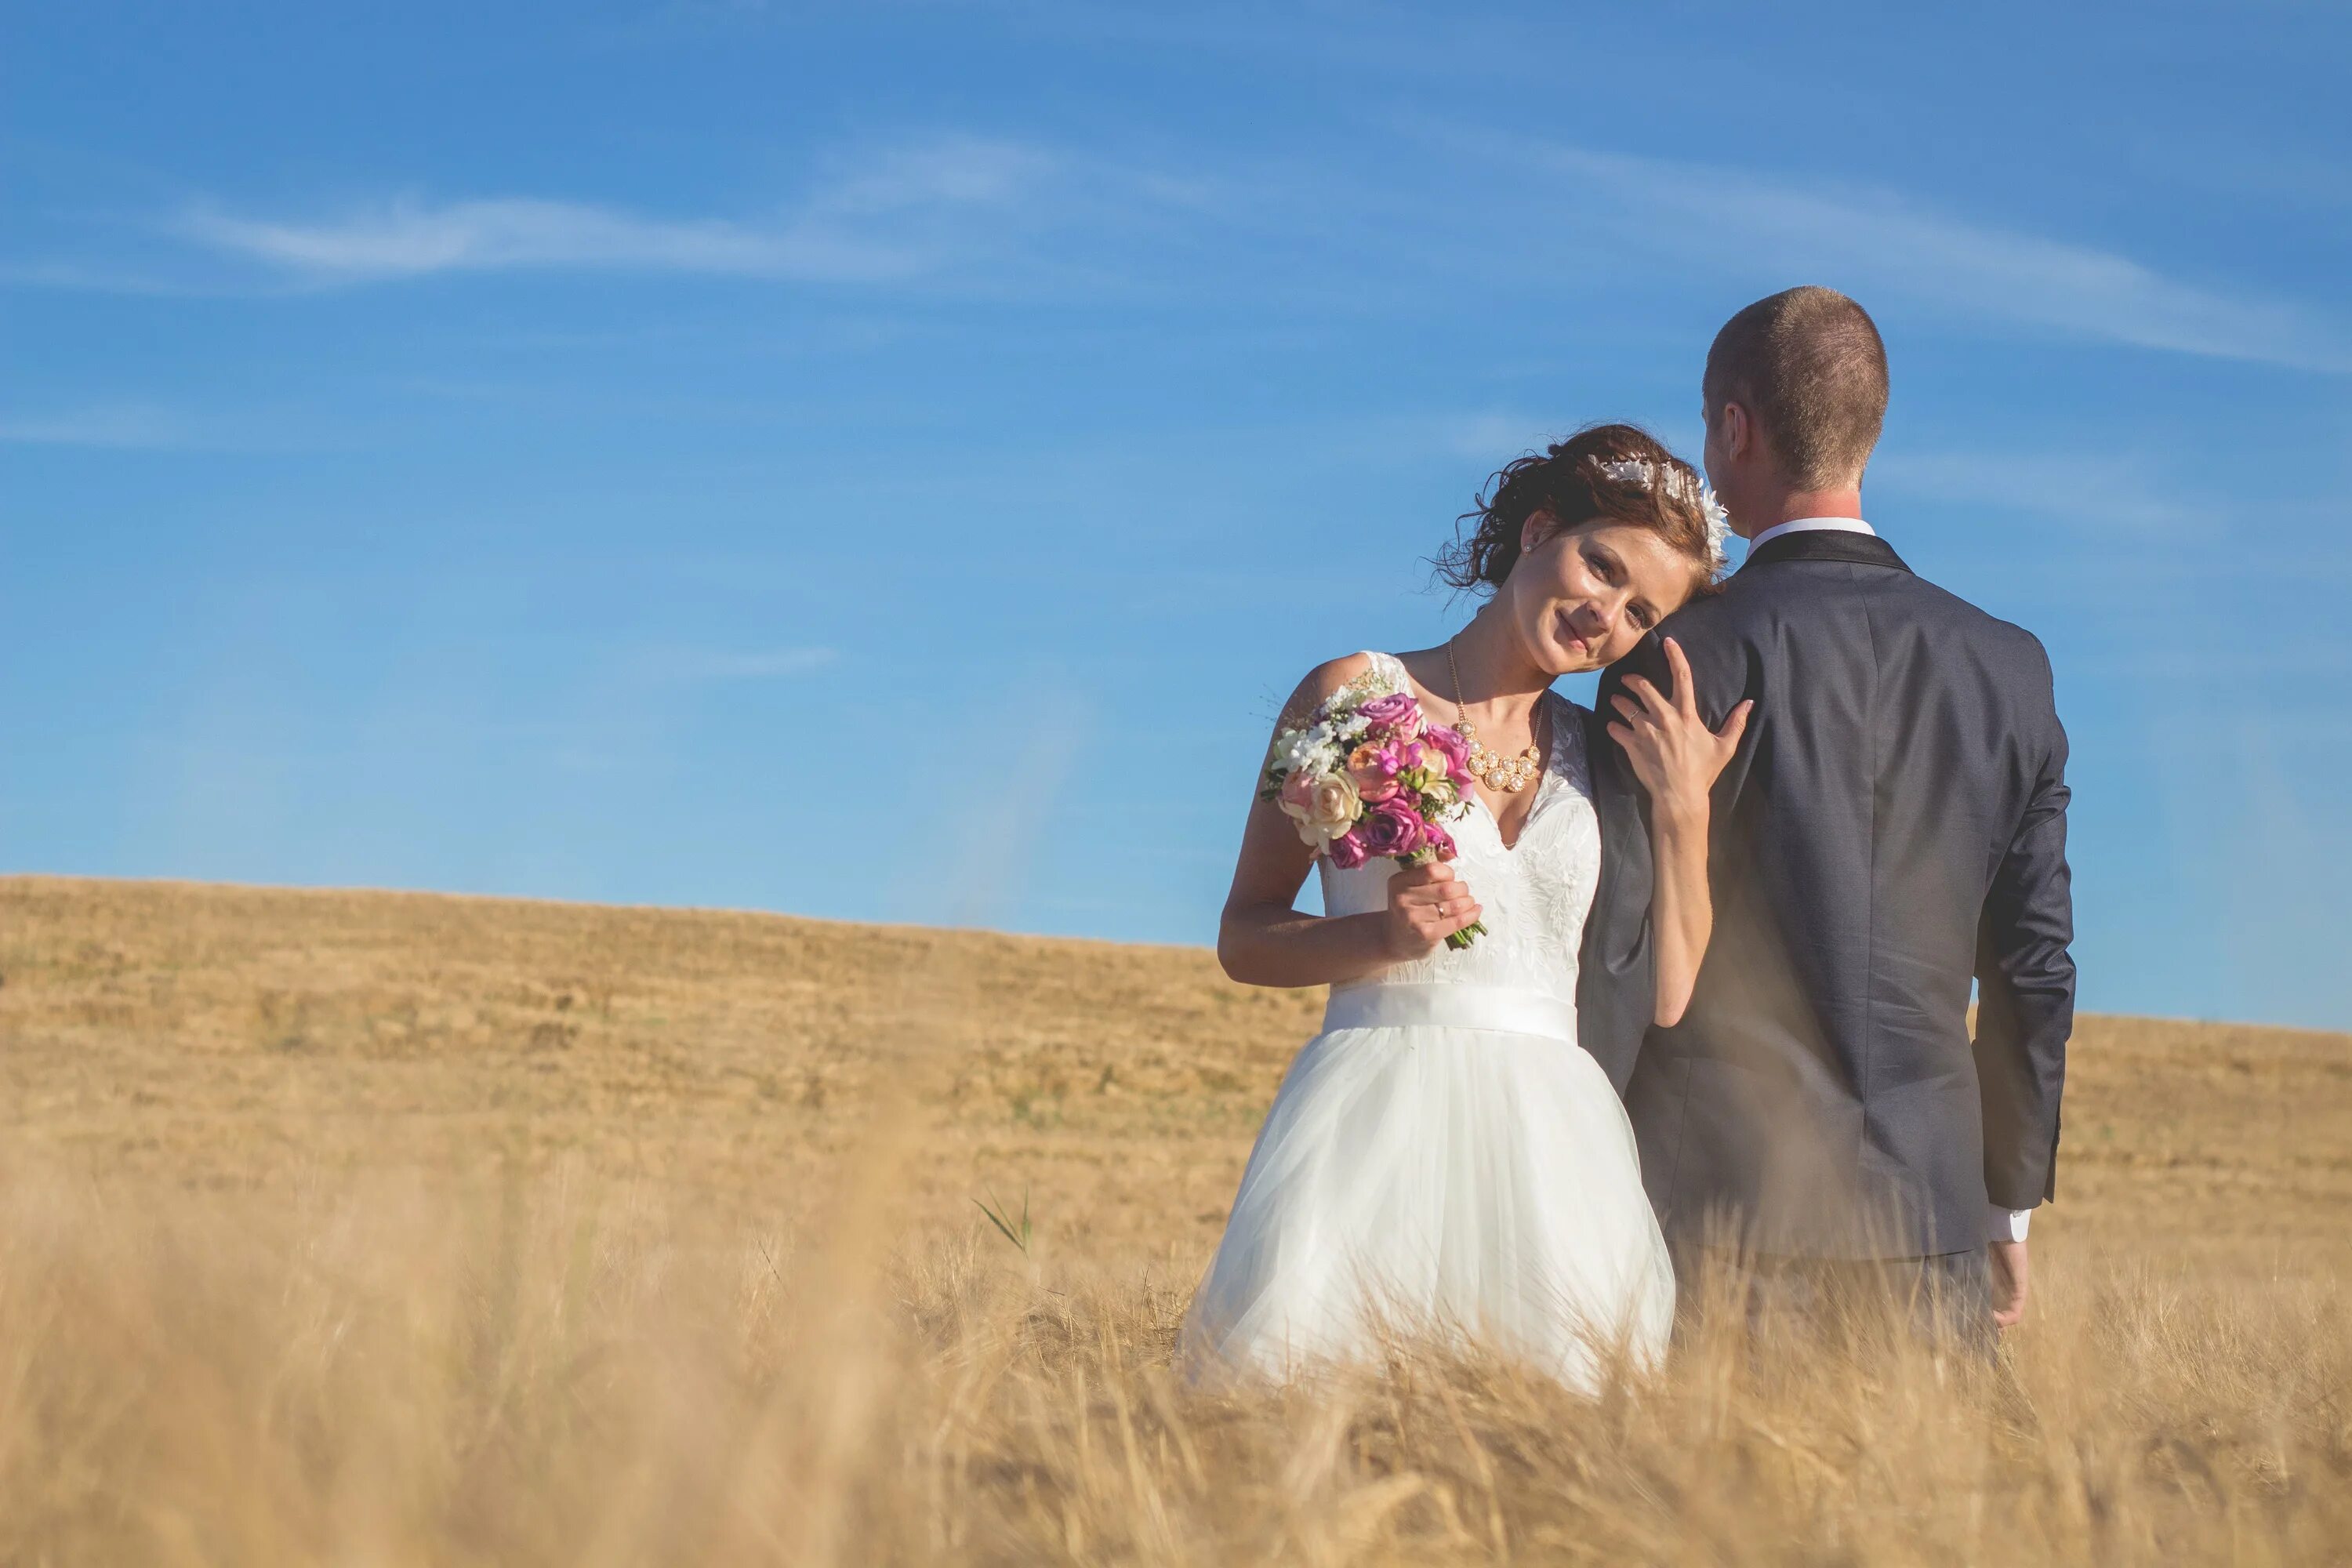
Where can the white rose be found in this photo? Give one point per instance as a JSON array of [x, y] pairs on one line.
[[1323, 805]]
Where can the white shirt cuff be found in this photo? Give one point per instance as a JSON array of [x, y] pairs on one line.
[[2007, 1225]]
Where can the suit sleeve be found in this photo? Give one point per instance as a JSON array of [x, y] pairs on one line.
[[2025, 992], [1617, 980], [1647, 660], [1616, 977]]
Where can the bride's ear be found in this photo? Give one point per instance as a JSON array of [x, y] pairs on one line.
[[1540, 526]]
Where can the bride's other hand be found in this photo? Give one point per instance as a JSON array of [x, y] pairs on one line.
[[1675, 754], [2009, 1274], [1427, 903]]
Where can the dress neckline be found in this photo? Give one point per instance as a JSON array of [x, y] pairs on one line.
[[1561, 712]]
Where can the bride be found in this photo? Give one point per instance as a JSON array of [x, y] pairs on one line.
[[1444, 1157]]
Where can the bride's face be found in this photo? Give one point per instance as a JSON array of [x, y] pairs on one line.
[[1582, 598]]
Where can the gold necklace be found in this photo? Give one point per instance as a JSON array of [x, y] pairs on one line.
[[1496, 771]]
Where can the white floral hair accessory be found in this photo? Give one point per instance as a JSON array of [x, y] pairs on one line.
[[1680, 483]]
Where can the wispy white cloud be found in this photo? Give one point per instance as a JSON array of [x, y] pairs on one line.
[[406, 238], [993, 213], [1495, 438], [1879, 242], [116, 426], [105, 277], [2114, 495], [901, 214], [142, 426], [701, 664]]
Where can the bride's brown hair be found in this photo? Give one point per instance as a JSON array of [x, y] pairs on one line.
[[1568, 481]]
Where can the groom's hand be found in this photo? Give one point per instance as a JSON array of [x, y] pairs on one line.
[[2008, 1281]]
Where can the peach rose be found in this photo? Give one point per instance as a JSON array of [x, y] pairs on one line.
[[1373, 769]]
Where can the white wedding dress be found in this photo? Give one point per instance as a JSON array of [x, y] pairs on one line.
[[1445, 1158]]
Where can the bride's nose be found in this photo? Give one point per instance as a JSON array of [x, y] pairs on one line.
[[1596, 618]]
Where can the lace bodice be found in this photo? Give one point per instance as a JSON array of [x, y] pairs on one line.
[[1536, 894]]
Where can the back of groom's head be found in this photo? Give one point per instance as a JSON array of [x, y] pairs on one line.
[[1809, 368]]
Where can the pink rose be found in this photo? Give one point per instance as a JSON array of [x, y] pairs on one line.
[[1390, 828], [1397, 713], [1347, 851]]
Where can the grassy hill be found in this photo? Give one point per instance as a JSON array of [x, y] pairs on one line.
[[208, 1090], [230, 1034]]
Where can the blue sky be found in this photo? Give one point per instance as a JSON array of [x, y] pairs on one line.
[[886, 461]]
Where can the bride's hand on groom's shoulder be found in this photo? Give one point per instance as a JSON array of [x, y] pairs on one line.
[[1427, 903], [1674, 754]]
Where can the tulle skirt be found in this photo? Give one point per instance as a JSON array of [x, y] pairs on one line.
[[1467, 1182]]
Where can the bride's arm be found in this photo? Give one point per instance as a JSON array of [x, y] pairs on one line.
[[1682, 915], [1677, 758], [1263, 940]]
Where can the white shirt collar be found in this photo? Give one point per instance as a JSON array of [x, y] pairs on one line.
[[1810, 525]]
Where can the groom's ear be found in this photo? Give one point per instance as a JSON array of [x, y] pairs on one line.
[[1739, 433], [1744, 435]]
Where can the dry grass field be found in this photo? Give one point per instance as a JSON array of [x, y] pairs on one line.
[[394, 1228]]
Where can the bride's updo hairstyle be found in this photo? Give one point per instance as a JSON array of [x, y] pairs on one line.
[[1604, 473]]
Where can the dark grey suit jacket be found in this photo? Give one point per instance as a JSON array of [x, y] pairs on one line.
[[1893, 826]]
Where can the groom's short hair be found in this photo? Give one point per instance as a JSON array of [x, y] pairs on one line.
[[1808, 365]]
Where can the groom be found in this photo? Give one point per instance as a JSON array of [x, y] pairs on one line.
[[1892, 827]]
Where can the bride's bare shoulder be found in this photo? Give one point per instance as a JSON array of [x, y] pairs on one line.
[[1319, 683]]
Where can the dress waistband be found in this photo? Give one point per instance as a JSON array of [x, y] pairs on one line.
[[1507, 1009]]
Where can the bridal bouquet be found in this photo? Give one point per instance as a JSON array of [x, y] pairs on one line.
[[1369, 776]]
